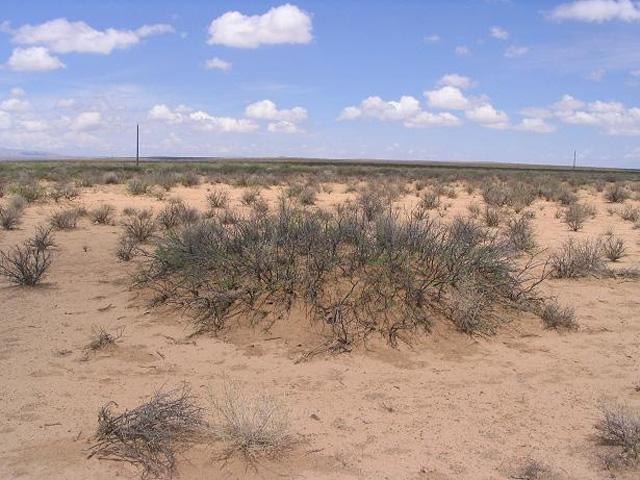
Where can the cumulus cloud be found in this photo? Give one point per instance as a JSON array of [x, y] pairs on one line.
[[455, 80], [447, 98], [499, 33], [515, 51], [86, 121], [14, 104], [432, 38], [65, 103], [612, 118], [462, 50], [280, 25], [62, 36], [200, 119], [216, 63], [268, 110], [535, 124], [283, 126], [430, 119], [487, 115], [597, 75], [33, 59], [5, 120], [597, 11]]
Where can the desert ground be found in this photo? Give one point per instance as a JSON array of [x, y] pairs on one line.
[[518, 400]]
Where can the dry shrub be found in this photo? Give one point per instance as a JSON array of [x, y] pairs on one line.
[[127, 248], [307, 196], [491, 216], [103, 215], [65, 219], [250, 196], [137, 186], [190, 179], [577, 259], [429, 201], [630, 213], [10, 217], [42, 238], [177, 214], [620, 427], [110, 178], [613, 248], [575, 216], [534, 470], [555, 316], [470, 309], [519, 234], [29, 191], [218, 199], [102, 339], [616, 193], [474, 210], [141, 226], [25, 264], [250, 425], [152, 434], [64, 191]]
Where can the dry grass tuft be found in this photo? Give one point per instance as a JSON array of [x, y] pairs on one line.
[[251, 426], [555, 316], [620, 427]]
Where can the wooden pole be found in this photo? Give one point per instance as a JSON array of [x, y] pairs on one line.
[[137, 145], [574, 159]]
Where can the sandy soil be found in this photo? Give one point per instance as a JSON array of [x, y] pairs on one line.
[[449, 407]]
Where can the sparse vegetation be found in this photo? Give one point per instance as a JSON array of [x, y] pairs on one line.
[[103, 215], [218, 199], [137, 186], [141, 226], [65, 219], [25, 264], [616, 193], [150, 435], [575, 215], [613, 248], [619, 427], [555, 316], [10, 217], [577, 259], [102, 339]]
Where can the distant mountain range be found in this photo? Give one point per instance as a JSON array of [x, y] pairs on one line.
[[10, 154]]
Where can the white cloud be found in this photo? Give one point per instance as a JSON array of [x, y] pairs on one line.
[[283, 24], [432, 39], [613, 118], [447, 98], [350, 113], [164, 113], [34, 125], [515, 51], [535, 124], [283, 126], [597, 75], [216, 63], [14, 104], [5, 120], [635, 73], [62, 36], [597, 11], [462, 50], [33, 59], [222, 124], [455, 80], [86, 121], [65, 103], [18, 92], [268, 110], [486, 115], [499, 33], [429, 119]]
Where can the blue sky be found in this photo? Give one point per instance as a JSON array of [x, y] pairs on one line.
[[476, 80]]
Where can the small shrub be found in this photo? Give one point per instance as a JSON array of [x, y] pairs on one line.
[[65, 219], [140, 227], [616, 193], [474, 210], [429, 201], [491, 216], [18, 202], [577, 259], [250, 425], [103, 215], [250, 196], [534, 470], [469, 307], [307, 196], [176, 214], [620, 427], [43, 238], [613, 248], [110, 178], [126, 248], [630, 214], [25, 265], [137, 186], [218, 199], [64, 191], [519, 234], [31, 192], [10, 217], [575, 216], [190, 179], [102, 339], [152, 434], [555, 316]]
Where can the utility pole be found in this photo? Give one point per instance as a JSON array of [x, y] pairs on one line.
[[574, 159], [137, 145]]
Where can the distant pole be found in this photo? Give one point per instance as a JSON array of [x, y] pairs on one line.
[[574, 159], [137, 145]]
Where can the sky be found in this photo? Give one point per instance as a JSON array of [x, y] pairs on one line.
[[451, 80]]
